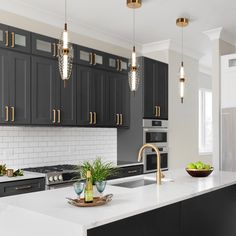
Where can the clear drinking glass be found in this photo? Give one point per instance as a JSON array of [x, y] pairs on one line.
[[79, 187], [101, 185]]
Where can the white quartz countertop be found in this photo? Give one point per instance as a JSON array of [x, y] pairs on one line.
[[48, 213], [27, 175]]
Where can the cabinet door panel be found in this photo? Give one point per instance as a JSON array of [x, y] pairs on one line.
[[4, 84], [84, 76], [43, 90], [19, 88], [20, 40], [44, 46], [149, 88], [68, 100], [161, 89], [4, 36]]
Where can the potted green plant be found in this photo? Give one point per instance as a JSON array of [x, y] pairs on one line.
[[100, 170]]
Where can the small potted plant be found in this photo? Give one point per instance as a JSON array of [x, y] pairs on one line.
[[100, 171]]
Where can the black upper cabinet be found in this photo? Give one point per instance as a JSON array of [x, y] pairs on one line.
[[14, 38], [117, 63], [53, 102], [15, 88], [90, 96], [90, 57], [155, 89], [44, 46], [44, 93]]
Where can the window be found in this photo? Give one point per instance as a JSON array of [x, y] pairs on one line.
[[205, 121]]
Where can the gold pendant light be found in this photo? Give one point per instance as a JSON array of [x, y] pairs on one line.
[[134, 73], [65, 52], [182, 22]]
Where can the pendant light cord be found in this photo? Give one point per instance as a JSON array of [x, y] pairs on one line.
[[65, 11], [134, 27], [182, 44]]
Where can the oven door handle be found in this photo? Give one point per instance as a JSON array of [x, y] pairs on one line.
[[159, 130]]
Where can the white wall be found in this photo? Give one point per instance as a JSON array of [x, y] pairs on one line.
[[38, 146]]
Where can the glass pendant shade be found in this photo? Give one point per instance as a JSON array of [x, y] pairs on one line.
[[182, 81], [65, 55], [134, 72]]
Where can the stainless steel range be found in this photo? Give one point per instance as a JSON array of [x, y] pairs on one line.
[[57, 176]]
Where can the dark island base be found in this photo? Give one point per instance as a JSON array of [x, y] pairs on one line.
[[211, 214]]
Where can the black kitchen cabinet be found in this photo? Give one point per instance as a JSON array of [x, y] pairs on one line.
[[155, 89], [44, 46], [21, 186], [91, 57], [90, 86], [14, 38], [116, 63], [53, 102], [15, 88], [122, 101], [164, 221]]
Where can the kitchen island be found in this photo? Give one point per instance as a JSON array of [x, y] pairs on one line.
[[188, 206]]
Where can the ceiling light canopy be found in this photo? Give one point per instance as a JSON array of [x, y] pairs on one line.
[[134, 3], [182, 22]]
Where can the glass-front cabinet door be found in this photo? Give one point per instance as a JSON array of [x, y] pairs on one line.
[[19, 39], [89, 57], [44, 46], [117, 63]]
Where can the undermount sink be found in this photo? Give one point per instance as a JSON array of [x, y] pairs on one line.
[[135, 183]]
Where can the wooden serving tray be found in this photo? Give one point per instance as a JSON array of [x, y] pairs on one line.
[[97, 201]]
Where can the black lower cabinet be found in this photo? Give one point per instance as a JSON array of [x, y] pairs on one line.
[[21, 186], [211, 214], [164, 221]]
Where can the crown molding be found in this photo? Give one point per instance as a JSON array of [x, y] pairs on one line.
[[156, 46]]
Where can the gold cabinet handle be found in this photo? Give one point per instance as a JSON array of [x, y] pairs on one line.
[[54, 50], [54, 116], [12, 39], [6, 113], [121, 119], [117, 119], [94, 59], [90, 58], [158, 111], [58, 116], [57, 50], [90, 118], [12, 114], [7, 38], [94, 118], [118, 64]]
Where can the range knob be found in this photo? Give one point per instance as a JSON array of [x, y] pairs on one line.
[[55, 178], [60, 177], [50, 179]]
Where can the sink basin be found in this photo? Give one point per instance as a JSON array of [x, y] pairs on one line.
[[135, 183]]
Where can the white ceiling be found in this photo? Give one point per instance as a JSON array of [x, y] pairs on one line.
[[155, 19]]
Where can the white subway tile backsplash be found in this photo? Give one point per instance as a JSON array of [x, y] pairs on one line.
[[22, 147]]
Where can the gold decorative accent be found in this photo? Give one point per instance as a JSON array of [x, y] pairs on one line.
[[134, 3], [121, 119], [54, 116], [7, 38], [118, 64], [182, 22], [94, 118], [117, 119], [148, 145], [90, 118], [6, 113], [59, 116], [90, 58], [12, 39], [12, 114], [158, 111], [94, 59]]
